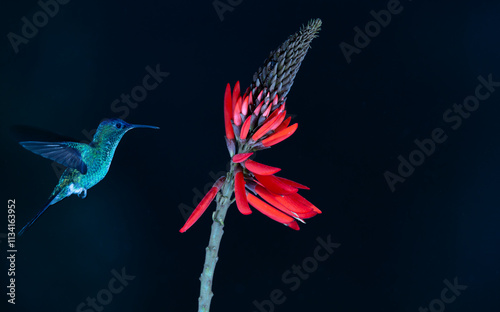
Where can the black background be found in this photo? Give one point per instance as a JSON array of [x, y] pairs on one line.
[[354, 121]]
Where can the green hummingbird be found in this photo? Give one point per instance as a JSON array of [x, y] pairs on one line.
[[87, 164]]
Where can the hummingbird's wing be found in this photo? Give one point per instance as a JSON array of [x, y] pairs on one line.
[[65, 153]]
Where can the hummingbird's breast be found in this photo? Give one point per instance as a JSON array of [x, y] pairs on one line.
[[98, 160]]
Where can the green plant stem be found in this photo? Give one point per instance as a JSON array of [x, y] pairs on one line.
[[223, 202]]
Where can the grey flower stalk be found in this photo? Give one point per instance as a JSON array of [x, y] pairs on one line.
[[253, 122]]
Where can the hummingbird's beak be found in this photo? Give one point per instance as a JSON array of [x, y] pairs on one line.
[[143, 126]]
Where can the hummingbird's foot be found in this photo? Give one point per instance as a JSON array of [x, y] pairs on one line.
[[83, 193], [76, 189]]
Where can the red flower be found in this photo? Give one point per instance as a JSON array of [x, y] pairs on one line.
[[253, 123]]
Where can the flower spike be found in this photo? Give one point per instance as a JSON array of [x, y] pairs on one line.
[[256, 120], [280, 68]]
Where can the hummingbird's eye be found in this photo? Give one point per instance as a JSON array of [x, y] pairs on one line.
[[118, 125]]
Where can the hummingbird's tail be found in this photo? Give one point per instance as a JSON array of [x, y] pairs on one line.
[[49, 202]]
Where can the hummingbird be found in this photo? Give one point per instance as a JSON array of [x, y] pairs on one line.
[[87, 164]]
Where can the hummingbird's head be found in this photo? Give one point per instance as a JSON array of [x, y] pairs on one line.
[[118, 125], [115, 128]]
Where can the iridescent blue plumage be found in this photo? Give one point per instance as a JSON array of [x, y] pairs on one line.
[[87, 164]]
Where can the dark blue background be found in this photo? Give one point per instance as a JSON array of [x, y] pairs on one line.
[[354, 121]]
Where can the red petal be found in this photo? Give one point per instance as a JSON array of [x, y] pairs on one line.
[[244, 106], [200, 209], [266, 127], [280, 136], [292, 205], [228, 113], [245, 128], [236, 113], [271, 199], [293, 183], [282, 108], [278, 121], [268, 210], [276, 112], [307, 215], [259, 97], [275, 185], [259, 168], [241, 157], [293, 225], [275, 100], [304, 202], [268, 110], [236, 93], [240, 194], [257, 109], [284, 124]]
